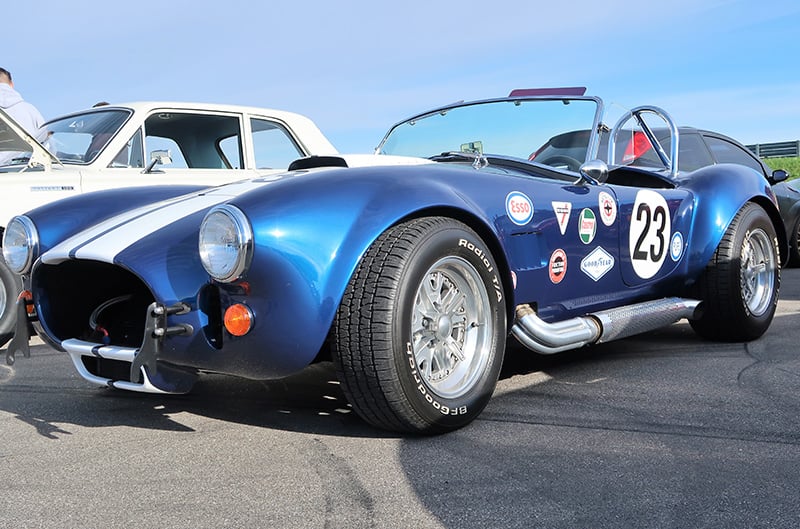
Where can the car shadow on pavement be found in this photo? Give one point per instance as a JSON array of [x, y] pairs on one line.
[[45, 392]]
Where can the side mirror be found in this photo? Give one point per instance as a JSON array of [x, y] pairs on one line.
[[779, 175], [594, 172], [157, 157]]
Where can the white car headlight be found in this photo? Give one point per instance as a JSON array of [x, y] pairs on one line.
[[226, 243], [20, 244]]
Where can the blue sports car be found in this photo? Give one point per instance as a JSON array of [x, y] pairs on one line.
[[410, 269]]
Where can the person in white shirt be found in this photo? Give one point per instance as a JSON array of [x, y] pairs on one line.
[[24, 113]]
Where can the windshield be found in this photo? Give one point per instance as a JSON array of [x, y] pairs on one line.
[[529, 129], [80, 138]]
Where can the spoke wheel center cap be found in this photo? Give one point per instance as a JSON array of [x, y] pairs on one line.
[[444, 327]]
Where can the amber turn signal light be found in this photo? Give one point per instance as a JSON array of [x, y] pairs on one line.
[[238, 319], [28, 297]]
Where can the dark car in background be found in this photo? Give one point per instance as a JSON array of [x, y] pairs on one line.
[[697, 148]]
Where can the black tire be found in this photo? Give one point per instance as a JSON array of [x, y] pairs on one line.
[[794, 245], [10, 287], [382, 350], [739, 287]]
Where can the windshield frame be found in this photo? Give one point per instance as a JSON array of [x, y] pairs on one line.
[[595, 126]]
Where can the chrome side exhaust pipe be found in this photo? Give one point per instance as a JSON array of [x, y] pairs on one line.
[[599, 327]]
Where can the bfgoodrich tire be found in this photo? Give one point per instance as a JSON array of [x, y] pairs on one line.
[[10, 287], [739, 286], [418, 340]]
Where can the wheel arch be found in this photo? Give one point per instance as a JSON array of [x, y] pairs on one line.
[[720, 191], [307, 268], [777, 221], [489, 236]]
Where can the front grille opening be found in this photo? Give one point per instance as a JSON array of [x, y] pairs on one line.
[[92, 301], [107, 368], [209, 303]]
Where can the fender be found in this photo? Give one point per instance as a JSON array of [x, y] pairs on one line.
[[720, 191], [303, 263]]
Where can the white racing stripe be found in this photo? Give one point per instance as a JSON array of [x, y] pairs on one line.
[[104, 241]]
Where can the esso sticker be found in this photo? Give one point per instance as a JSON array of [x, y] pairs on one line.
[[519, 208], [650, 237], [608, 208]]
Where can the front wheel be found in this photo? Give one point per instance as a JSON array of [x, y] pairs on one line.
[[419, 338], [10, 287], [739, 287]]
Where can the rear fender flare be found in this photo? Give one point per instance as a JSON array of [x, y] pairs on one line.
[[720, 191]]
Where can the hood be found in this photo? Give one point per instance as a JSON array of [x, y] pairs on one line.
[[105, 240], [14, 138]]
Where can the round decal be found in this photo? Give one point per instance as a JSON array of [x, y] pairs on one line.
[[676, 246], [587, 225], [650, 235], [608, 208], [519, 208], [558, 266]]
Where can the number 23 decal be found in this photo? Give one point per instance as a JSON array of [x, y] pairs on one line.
[[650, 233]]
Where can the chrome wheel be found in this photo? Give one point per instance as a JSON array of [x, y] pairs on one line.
[[451, 327], [3, 299], [758, 272]]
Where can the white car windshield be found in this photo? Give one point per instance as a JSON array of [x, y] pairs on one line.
[[79, 138]]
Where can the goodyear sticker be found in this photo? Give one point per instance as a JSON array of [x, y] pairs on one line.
[[608, 208], [676, 246], [558, 266], [519, 208], [597, 263], [562, 211], [587, 225]]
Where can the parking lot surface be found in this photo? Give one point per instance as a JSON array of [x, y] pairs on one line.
[[661, 430]]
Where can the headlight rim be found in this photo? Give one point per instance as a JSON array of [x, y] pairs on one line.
[[31, 243], [244, 243]]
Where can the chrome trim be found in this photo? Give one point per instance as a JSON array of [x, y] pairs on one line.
[[79, 348], [244, 236], [670, 163], [32, 243]]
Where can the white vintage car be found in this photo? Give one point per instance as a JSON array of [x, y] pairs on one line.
[[141, 144]]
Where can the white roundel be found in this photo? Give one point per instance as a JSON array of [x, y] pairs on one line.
[[519, 208], [650, 235]]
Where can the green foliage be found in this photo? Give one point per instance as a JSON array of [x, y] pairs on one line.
[[788, 164]]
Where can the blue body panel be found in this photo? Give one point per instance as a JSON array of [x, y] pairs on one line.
[[310, 231]]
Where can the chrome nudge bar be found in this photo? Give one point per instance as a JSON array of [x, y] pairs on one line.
[[143, 360], [79, 348]]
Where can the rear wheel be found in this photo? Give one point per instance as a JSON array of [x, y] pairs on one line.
[[420, 334], [794, 245], [739, 286]]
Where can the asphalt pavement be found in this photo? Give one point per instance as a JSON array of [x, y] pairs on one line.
[[661, 430]]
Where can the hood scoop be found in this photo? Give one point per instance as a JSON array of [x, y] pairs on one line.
[[311, 162]]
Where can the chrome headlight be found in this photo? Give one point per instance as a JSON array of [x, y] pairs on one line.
[[226, 243], [20, 244]]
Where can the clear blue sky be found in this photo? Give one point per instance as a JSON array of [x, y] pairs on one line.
[[357, 67]]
